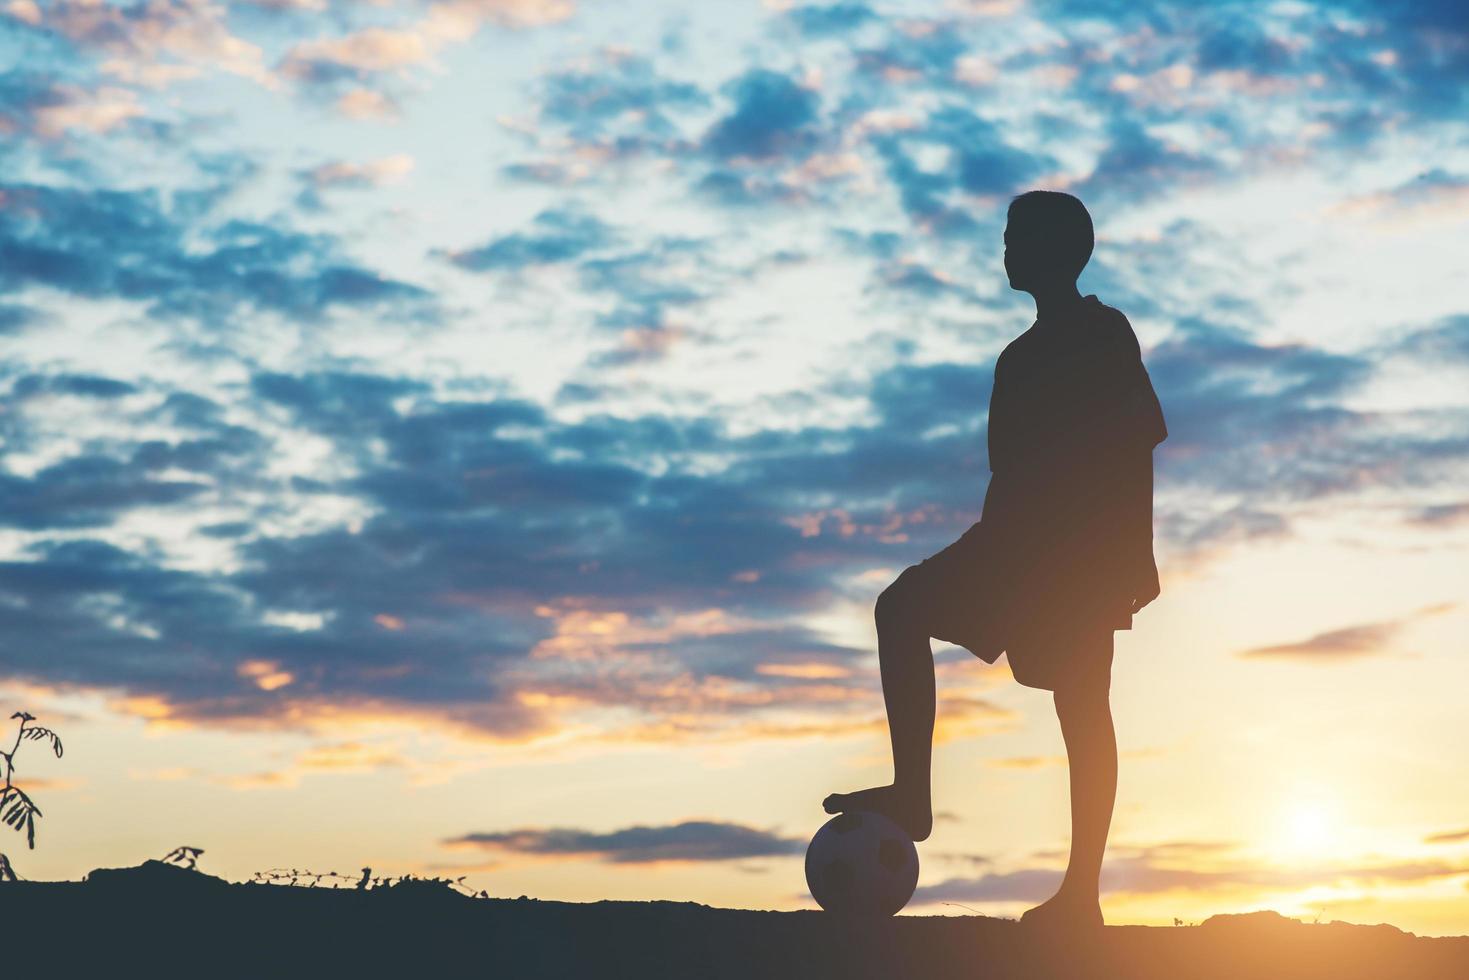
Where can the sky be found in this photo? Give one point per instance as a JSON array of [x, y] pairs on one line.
[[467, 437]]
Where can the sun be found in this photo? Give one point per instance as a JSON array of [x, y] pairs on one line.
[[1307, 824], [1308, 828]]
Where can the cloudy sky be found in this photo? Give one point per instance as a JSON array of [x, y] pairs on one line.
[[468, 436]]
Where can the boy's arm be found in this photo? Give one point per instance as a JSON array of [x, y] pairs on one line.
[[1116, 432], [1140, 427], [1127, 409], [1137, 532]]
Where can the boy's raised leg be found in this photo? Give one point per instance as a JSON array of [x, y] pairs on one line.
[[906, 662]]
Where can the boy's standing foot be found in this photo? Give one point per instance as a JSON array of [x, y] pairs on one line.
[[913, 811], [1066, 912]]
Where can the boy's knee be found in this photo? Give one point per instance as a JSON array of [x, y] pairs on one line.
[[1083, 693], [894, 605]]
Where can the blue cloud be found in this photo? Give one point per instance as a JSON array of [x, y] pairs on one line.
[[560, 235], [90, 386], [832, 19], [691, 840], [625, 89], [980, 161], [772, 116], [105, 244], [15, 318]]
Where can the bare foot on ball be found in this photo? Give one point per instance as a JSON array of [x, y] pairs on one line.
[[911, 811], [1066, 912]]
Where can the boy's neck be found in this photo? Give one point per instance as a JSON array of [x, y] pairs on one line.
[[1055, 303]]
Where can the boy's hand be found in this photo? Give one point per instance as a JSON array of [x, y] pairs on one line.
[[1147, 595], [1147, 589]]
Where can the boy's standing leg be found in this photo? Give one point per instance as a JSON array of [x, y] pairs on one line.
[[1084, 710]]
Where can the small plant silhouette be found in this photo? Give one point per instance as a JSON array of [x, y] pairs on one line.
[[18, 809], [367, 882], [184, 856]]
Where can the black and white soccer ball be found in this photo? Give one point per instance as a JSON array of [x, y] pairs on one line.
[[861, 863]]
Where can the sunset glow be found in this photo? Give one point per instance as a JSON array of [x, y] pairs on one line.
[[470, 437]]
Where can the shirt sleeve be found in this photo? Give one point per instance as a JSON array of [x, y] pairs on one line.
[[1133, 424], [1117, 423], [1118, 410]]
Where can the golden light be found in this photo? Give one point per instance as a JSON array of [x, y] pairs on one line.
[[1308, 829]]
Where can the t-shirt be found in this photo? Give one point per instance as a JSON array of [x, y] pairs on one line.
[[1072, 425]]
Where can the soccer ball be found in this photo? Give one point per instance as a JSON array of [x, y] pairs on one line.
[[861, 862]]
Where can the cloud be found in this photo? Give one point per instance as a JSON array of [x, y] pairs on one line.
[[374, 173], [1025, 885], [541, 558], [1136, 165], [1195, 867], [558, 236], [915, 50], [830, 20], [50, 109], [1441, 515], [503, 533], [358, 56], [687, 842], [497, 530], [596, 113], [153, 43], [356, 65], [1434, 194], [645, 281], [15, 318], [1260, 428], [131, 245], [327, 757], [975, 160], [1444, 342], [86, 491], [31, 386], [1350, 642], [772, 116], [615, 89], [506, 13]]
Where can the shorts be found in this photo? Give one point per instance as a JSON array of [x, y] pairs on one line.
[[966, 595]]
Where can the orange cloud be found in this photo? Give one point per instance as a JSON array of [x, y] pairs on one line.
[[803, 671], [348, 757], [362, 103], [591, 634], [378, 50], [1363, 640], [151, 44], [374, 173], [266, 673], [95, 111]]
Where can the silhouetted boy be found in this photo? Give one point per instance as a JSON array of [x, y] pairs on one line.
[[1062, 556]]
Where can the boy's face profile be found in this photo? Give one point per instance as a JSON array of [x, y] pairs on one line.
[[1029, 263], [1048, 240]]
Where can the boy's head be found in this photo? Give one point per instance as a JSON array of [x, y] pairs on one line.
[[1048, 239]]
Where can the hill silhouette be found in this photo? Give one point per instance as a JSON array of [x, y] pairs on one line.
[[163, 920]]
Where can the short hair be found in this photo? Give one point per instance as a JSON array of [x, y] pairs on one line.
[[1062, 220]]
